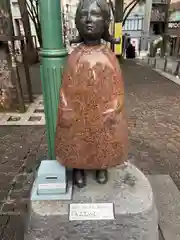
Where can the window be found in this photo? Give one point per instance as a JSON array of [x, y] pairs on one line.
[[133, 24]]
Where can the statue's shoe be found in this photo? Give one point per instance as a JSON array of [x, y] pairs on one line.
[[102, 176], [79, 178]]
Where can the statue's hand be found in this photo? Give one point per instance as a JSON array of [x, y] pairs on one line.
[[78, 39], [120, 104], [117, 40], [72, 41]]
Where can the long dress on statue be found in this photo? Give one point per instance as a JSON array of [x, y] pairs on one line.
[[91, 130]]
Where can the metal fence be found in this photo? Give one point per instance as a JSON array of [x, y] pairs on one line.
[[166, 64]]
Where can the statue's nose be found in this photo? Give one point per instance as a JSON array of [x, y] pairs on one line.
[[89, 19]]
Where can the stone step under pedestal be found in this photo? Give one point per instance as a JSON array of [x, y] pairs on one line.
[[167, 198], [134, 211]]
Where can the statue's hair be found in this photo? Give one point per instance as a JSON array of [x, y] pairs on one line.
[[102, 4]]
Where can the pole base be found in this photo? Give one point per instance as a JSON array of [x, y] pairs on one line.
[[51, 182]]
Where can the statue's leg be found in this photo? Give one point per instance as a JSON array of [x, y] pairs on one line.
[[79, 178], [102, 176]]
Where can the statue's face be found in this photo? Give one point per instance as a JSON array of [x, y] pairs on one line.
[[91, 24]]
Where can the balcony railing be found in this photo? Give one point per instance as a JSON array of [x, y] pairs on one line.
[[159, 1], [133, 24]]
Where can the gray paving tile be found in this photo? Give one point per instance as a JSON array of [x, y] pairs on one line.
[[167, 198]]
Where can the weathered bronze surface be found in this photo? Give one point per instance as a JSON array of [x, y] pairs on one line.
[[91, 127]]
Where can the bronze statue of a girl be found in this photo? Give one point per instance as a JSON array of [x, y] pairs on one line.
[[91, 128]]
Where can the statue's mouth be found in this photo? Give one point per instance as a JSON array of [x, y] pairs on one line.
[[89, 27]]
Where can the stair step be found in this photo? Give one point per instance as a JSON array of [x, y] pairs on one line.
[[167, 197]]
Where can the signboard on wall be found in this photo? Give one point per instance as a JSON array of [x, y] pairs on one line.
[[118, 34], [174, 25], [135, 43]]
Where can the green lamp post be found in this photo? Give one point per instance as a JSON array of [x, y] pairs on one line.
[[53, 55]]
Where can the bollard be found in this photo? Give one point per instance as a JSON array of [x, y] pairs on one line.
[[154, 65], [165, 63], [177, 68], [53, 56]]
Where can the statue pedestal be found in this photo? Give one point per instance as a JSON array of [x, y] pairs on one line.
[[135, 215]]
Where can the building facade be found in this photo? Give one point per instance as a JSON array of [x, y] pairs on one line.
[[174, 28], [133, 25], [68, 8], [158, 19], [17, 22]]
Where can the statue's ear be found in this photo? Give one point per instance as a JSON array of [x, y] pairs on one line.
[[107, 23]]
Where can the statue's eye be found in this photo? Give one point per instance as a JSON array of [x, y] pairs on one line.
[[96, 13], [84, 13]]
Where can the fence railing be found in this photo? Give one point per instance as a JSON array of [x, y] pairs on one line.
[[166, 64]]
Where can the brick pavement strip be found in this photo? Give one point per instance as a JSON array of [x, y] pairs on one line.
[[154, 131], [20, 149]]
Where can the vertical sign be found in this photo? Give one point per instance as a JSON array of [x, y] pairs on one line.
[[118, 34]]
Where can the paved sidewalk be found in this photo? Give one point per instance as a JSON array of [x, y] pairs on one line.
[[153, 101], [153, 109]]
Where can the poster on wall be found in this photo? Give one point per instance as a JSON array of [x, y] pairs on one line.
[[174, 25], [135, 43]]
